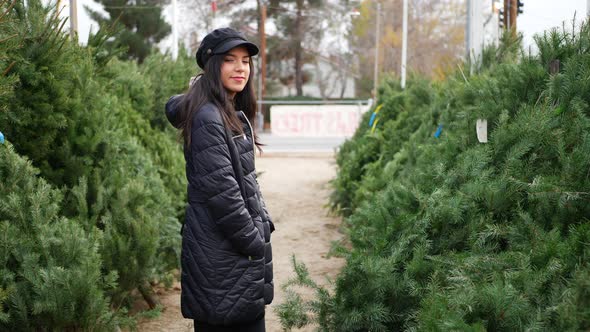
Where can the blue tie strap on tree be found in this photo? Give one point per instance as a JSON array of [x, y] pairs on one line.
[[1, 138], [373, 121], [438, 131], [374, 115]]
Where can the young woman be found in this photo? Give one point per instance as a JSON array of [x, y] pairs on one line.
[[226, 256]]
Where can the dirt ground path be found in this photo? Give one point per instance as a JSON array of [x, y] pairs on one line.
[[295, 189]]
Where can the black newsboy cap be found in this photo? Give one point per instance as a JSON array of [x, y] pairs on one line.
[[220, 41]]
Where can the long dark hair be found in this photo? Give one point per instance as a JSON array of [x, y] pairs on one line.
[[208, 88]]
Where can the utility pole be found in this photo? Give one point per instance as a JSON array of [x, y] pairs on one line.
[[404, 44], [73, 18], [468, 29], [588, 7], [376, 72], [513, 13], [262, 31], [507, 14], [174, 31], [474, 33], [262, 65]]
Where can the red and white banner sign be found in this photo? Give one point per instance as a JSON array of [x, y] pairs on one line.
[[315, 120]]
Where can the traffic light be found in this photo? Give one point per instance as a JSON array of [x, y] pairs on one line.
[[501, 18], [519, 5]]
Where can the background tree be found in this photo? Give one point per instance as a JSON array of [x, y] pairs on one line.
[[196, 18], [142, 22], [322, 35], [436, 35], [336, 51], [300, 22]]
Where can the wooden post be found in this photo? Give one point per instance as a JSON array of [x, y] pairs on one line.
[[513, 14], [506, 18]]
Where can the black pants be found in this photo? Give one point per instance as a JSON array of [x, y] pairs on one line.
[[256, 326]]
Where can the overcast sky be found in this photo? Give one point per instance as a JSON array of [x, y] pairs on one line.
[[539, 15]]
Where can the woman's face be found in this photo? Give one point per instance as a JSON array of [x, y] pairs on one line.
[[235, 70]]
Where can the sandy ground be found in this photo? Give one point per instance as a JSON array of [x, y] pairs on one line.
[[295, 189]]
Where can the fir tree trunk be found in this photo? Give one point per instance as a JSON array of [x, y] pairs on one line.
[[343, 77], [298, 50], [148, 295]]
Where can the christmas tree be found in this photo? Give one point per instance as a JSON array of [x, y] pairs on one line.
[[50, 267], [140, 25], [86, 121], [447, 233]]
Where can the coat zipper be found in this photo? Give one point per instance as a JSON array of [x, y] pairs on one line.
[[251, 133], [254, 152]]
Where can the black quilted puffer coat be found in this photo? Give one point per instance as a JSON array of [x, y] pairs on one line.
[[226, 256]]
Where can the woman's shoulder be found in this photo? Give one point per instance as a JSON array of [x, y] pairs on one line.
[[208, 114]]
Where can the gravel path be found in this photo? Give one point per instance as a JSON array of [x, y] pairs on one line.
[[295, 189]]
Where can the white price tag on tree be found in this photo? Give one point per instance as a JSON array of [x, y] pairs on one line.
[[481, 127]]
